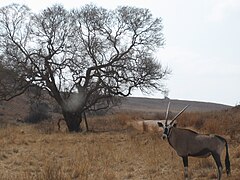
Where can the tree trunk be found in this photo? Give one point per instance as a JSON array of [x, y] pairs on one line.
[[86, 123], [73, 121]]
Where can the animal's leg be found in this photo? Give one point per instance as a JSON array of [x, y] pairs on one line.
[[217, 159], [185, 163]]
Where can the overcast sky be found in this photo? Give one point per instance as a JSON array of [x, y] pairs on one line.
[[202, 44]]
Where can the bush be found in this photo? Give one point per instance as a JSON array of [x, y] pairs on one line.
[[38, 112]]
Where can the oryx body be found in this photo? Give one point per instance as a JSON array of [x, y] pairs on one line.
[[189, 143]]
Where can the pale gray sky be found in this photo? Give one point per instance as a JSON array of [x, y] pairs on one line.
[[202, 44]]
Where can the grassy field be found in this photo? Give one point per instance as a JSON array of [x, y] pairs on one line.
[[113, 151]]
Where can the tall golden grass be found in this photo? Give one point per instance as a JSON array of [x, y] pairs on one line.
[[113, 150], [218, 122]]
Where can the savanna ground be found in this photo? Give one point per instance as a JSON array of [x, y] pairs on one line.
[[114, 150]]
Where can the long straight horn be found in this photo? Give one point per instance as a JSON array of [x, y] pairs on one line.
[[167, 112], [178, 114]]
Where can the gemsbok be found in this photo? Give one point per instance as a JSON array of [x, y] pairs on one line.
[[189, 143]]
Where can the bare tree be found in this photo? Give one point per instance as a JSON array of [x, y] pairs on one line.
[[83, 57]]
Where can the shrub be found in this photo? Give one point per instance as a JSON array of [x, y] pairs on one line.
[[38, 112]]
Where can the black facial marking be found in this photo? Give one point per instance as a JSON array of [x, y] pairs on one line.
[[166, 129]]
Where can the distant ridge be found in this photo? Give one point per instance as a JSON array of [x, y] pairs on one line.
[[157, 105]]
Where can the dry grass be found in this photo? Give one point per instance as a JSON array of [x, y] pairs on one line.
[[222, 122], [30, 152], [111, 151], [27, 154]]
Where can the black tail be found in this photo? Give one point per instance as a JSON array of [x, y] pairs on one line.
[[227, 161]]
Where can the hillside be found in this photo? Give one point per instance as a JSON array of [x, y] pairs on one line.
[[41, 151], [112, 149], [160, 105], [18, 108]]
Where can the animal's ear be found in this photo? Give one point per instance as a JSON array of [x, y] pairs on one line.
[[160, 124]]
